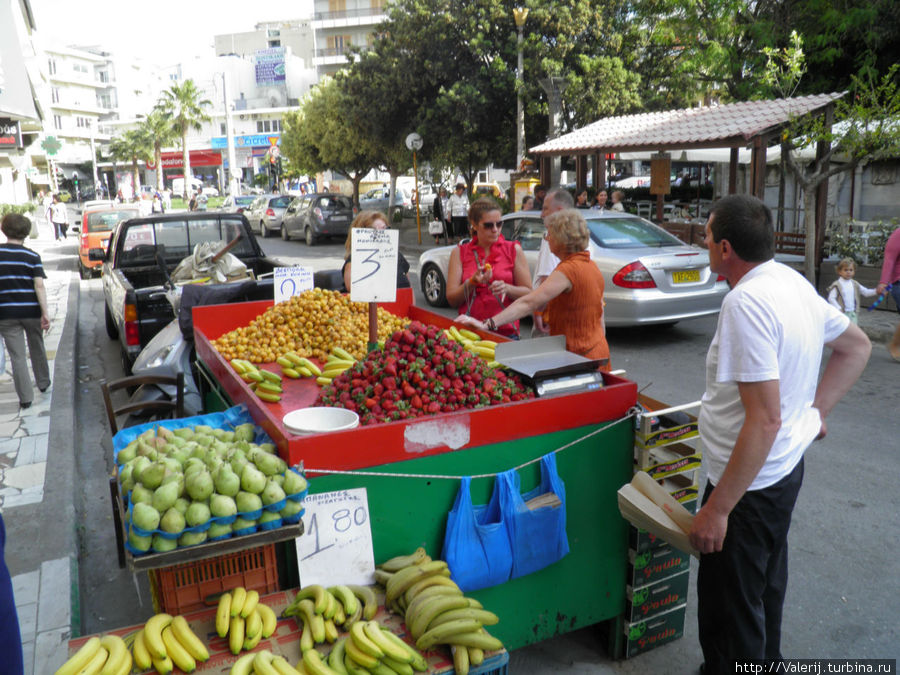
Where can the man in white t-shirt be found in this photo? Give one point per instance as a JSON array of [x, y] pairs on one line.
[[762, 408]]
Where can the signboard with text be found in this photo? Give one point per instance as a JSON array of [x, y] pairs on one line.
[[10, 134], [373, 272], [291, 281], [270, 65]]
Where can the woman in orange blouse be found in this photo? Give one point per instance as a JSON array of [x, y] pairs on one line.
[[573, 292]]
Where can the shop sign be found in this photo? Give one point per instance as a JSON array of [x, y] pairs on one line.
[[270, 65], [175, 160], [10, 133], [248, 141]]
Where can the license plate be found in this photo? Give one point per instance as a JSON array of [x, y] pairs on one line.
[[685, 276]]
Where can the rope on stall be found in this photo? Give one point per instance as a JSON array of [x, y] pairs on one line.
[[632, 412]]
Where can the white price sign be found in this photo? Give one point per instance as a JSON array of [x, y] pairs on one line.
[[290, 281], [373, 272], [336, 546]]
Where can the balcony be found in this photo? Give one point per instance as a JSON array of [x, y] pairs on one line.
[[368, 16]]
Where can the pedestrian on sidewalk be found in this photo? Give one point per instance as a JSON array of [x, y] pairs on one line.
[[890, 276], [10, 635], [59, 216], [458, 204], [23, 308], [763, 407], [845, 292]]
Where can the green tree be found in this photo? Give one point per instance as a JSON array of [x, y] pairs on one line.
[[184, 105], [133, 145], [158, 127]]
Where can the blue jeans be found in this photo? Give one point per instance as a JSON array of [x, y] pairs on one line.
[[12, 662]]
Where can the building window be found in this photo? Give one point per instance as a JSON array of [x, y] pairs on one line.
[[222, 129], [57, 122], [54, 94], [337, 43], [103, 76], [377, 4], [273, 33], [274, 43], [337, 5], [79, 68], [51, 66], [264, 126], [276, 125]]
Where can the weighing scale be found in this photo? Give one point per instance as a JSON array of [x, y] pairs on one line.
[[546, 365]]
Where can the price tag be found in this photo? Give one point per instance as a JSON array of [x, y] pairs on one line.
[[336, 546], [291, 281], [373, 269]]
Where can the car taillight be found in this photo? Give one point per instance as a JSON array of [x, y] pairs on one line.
[[270, 213], [634, 275], [132, 334], [318, 213]]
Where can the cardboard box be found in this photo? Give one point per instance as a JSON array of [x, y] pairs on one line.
[[665, 460], [648, 601], [642, 636], [655, 564], [682, 486], [640, 540]]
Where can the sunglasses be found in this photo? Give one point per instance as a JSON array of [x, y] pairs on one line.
[[493, 226]]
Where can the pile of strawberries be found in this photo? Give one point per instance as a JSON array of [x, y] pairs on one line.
[[420, 371]]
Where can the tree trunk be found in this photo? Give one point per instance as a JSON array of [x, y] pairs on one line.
[[186, 161], [157, 157], [809, 220], [355, 179]]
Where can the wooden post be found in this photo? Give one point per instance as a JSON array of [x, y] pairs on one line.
[[822, 148], [732, 171], [373, 325], [580, 173]]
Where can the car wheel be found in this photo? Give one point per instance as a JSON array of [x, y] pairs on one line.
[[111, 329], [434, 288], [263, 230], [85, 272], [284, 233], [310, 237]]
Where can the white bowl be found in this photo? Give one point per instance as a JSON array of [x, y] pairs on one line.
[[320, 419]]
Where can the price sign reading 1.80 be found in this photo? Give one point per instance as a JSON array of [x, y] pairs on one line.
[[336, 546]]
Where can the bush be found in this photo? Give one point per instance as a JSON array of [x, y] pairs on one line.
[[866, 248], [16, 208]]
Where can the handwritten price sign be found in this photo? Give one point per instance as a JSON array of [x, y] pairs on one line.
[[290, 281], [374, 265], [336, 547]]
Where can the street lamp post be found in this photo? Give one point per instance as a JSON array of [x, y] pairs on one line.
[[520, 14]]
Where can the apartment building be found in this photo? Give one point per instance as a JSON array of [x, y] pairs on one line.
[[340, 24]]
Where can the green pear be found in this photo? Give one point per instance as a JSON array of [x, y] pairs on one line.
[[269, 516], [197, 514], [163, 545], [152, 476], [248, 502], [199, 485], [245, 432], [128, 453], [192, 538], [294, 483], [222, 505], [272, 494], [227, 481], [172, 521], [182, 505], [165, 496], [145, 516], [269, 464], [138, 542], [218, 530], [242, 524], [292, 508], [184, 432], [140, 494], [252, 479], [138, 465]]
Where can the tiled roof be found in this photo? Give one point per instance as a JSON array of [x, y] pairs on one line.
[[728, 125]]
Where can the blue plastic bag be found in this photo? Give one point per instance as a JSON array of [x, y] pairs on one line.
[[537, 537], [476, 542]]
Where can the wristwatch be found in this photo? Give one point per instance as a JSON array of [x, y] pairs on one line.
[[490, 324]]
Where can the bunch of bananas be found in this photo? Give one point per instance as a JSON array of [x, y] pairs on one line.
[[337, 362], [295, 366], [369, 648], [263, 662], [166, 642], [266, 384], [435, 610], [244, 619], [108, 655], [321, 610], [473, 343]]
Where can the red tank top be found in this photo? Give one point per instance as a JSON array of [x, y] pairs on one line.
[[482, 304]]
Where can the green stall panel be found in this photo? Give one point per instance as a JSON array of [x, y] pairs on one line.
[[584, 588]]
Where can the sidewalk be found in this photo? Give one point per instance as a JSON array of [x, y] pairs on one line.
[[41, 545]]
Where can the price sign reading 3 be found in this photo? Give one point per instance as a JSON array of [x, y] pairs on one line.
[[336, 546], [374, 268]]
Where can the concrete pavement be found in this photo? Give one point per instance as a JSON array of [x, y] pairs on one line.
[[37, 467]]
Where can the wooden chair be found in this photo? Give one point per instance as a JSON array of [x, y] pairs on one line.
[[175, 408]]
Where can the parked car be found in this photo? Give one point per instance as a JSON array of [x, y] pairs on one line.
[[97, 226], [236, 204], [651, 276], [98, 203], [265, 213], [316, 216], [377, 199]]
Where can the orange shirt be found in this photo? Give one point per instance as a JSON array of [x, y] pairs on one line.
[[578, 313]]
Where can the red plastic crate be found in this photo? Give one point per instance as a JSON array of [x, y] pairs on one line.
[[186, 587]]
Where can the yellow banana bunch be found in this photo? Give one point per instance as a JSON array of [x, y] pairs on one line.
[[266, 384], [244, 620], [322, 611], [295, 366], [163, 643], [337, 362], [473, 343]]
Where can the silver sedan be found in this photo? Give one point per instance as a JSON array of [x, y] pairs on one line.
[[651, 276]]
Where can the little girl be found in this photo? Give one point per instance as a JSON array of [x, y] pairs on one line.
[[845, 292]]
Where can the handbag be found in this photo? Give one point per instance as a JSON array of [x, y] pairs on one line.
[[476, 542], [536, 520], [435, 228]]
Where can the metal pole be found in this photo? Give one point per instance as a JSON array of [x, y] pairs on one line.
[[520, 14], [416, 174], [94, 163], [234, 184]]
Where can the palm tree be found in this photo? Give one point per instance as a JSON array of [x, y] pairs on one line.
[[158, 127], [133, 145], [186, 110]]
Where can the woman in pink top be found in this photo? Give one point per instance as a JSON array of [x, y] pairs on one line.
[[488, 272], [890, 274]]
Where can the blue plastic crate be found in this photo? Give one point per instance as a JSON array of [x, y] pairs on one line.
[[495, 665]]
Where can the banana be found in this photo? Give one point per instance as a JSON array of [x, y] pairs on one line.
[[316, 593], [442, 634], [243, 666], [460, 659], [331, 631], [271, 376], [315, 621], [310, 366], [485, 343], [236, 635], [434, 591], [282, 667], [330, 364], [373, 631], [81, 658], [486, 353], [352, 667], [353, 618], [223, 615], [485, 617], [269, 387], [420, 586], [284, 362], [478, 639], [294, 358], [163, 666], [397, 563], [428, 609], [406, 577], [339, 615], [127, 665], [336, 657], [361, 639], [347, 598], [268, 396], [118, 652], [454, 333], [334, 372], [269, 620], [153, 635], [139, 652], [342, 353], [238, 597], [468, 335], [314, 664], [176, 651], [250, 603], [323, 381], [250, 642], [476, 656], [330, 605], [357, 655], [306, 637], [262, 663], [382, 577], [96, 663], [401, 667], [189, 640], [418, 661], [370, 603], [238, 366], [252, 376], [253, 625], [474, 603], [382, 669], [295, 373]]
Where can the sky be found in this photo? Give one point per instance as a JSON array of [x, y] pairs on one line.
[[161, 31]]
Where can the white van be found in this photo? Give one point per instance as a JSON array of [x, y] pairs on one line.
[[178, 186]]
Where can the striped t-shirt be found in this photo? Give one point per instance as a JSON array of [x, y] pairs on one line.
[[19, 267]]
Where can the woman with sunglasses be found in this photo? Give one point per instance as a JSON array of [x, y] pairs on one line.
[[488, 272], [573, 293]]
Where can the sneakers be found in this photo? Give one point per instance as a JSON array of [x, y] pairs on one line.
[[23, 405], [44, 389]]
